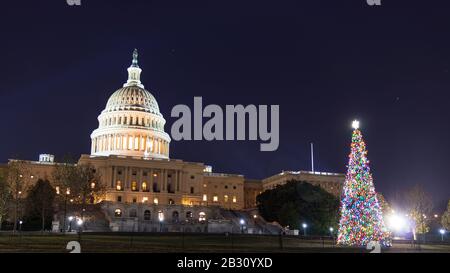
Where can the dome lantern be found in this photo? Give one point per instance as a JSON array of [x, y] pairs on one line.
[[134, 72]]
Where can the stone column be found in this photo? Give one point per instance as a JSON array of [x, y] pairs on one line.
[[151, 181], [177, 181], [113, 176]]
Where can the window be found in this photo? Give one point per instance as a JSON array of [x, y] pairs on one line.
[[119, 172], [119, 198], [202, 216], [119, 185], [57, 190], [134, 186], [234, 187], [192, 177], [192, 190], [189, 215], [144, 186], [92, 185], [145, 173], [118, 213], [175, 216], [160, 216], [226, 186], [171, 202], [134, 172], [234, 199], [205, 197], [215, 198], [147, 215], [134, 199], [155, 201], [133, 213], [225, 198], [144, 199]]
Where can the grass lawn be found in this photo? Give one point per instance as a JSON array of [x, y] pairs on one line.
[[104, 243]]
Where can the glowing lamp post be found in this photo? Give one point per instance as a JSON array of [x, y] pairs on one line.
[[70, 223], [304, 225], [242, 222], [442, 232]]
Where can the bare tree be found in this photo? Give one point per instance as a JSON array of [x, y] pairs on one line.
[[18, 183], [419, 205], [445, 221], [4, 194], [83, 181]]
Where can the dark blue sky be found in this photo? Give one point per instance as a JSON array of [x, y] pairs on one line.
[[324, 62]]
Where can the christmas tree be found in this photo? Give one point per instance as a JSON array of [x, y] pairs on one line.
[[361, 216]]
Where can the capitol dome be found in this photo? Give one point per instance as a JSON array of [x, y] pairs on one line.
[[131, 124]]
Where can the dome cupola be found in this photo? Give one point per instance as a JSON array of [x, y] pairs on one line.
[[131, 124]]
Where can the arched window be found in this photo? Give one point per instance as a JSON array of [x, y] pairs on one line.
[[160, 216], [144, 186], [175, 216], [189, 215], [202, 216], [118, 213], [133, 213], [134, 186], [119, 185], [147, 215]]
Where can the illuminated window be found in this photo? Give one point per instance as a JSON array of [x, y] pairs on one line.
[[57, 190], [155, 201], [189, 215], [225, 198], [234, 199], [144, 186], [118, 213], [215, 198], [205, 197], [119, 185], [204, 185], [144, 199], [134, 186], [202, 216], [160, 216], [171, 202], [136, 143], [92, 185]]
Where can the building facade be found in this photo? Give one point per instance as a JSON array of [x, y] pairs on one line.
[[130, 150]]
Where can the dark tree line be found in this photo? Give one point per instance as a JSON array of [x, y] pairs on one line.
[[297, 202]]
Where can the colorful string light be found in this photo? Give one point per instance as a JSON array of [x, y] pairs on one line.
[[361, 217]]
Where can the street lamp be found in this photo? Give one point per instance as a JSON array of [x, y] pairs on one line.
[[65, 209], [442, 232], [242, 222], [70, 223], [331, 231], [304, 228], [20, 225]]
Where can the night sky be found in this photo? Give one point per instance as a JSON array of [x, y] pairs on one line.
[[324, 62]]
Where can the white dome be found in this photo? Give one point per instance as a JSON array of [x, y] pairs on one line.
[[132, 98], [131, 124]]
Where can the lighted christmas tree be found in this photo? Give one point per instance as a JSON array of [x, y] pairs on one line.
[[361, 216]]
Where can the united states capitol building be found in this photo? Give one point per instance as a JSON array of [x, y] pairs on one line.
[[149, 191]]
